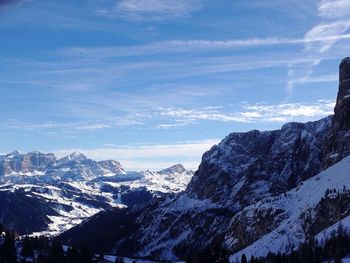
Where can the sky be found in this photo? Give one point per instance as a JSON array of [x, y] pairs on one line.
[[152, 83]]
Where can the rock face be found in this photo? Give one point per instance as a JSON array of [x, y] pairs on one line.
[[253, 192], [31, 163], [17, 167], [339, 143], [246, 167]]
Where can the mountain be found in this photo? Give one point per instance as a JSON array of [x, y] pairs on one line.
[[254, 192], [16, 167], [46, 195]]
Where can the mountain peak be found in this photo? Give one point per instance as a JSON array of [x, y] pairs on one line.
[[338, 145], [344, 76], [342, 109], [178, 168], [15, 153], [77, 156]]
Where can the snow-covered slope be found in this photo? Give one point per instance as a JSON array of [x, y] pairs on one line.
[[294, 215], [74, 188]]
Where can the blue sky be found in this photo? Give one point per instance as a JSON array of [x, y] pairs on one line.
[[156, 82]]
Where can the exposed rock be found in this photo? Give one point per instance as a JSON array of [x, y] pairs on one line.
[[339, 143], [246, 167], [30, 163]]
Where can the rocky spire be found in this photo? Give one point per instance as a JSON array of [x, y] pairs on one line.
[[341, 121], [338, 145]]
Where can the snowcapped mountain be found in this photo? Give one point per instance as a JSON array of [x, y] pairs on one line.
[[63, 192], [254, 192], [16, 167]]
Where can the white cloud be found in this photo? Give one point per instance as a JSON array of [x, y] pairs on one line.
[[330, 33], [290, 110], [141, 157], [333, 27], [174, 118], [334, 9], [249, 113], [82, 125], [316, 36], [150, 9]]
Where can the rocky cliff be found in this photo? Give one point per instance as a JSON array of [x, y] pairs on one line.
[[339, 140]]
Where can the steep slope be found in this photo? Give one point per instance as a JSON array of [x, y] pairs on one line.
[[245, 167], [286, 220], [339, 142], [249, 190]]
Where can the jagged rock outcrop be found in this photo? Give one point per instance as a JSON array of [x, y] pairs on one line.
[[339, 142], [30, 163], [246, 167]]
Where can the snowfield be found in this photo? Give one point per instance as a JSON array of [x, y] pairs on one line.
[[294, 203]]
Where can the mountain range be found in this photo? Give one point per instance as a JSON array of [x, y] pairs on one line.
[[254, 193], [42, 194]]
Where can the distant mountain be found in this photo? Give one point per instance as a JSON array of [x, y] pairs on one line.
[[16, 167], [62, 192], [254, 192]]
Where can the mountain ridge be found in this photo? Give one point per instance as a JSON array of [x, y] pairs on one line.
[[65, 191]]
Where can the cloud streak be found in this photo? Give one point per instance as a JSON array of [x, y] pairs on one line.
[[198, 46], [250, 113], [11, 3], [332, 28], [140, 10], [175, 118]]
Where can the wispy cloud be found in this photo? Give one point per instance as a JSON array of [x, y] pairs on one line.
[[333, 27], [70, 129], [152, 156], [174, 118], [11, 3], [249, 113], [334, 9], [288, 111], [314, 37], [149, 9]]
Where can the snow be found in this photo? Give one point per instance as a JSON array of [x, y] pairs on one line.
[[75, 184], [184, 203], [112, 258], [327, 233], [85, 190], [301, 199], [169, 244], [155, 181]]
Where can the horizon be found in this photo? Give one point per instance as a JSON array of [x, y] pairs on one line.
[[155, 83], [62, 155]]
